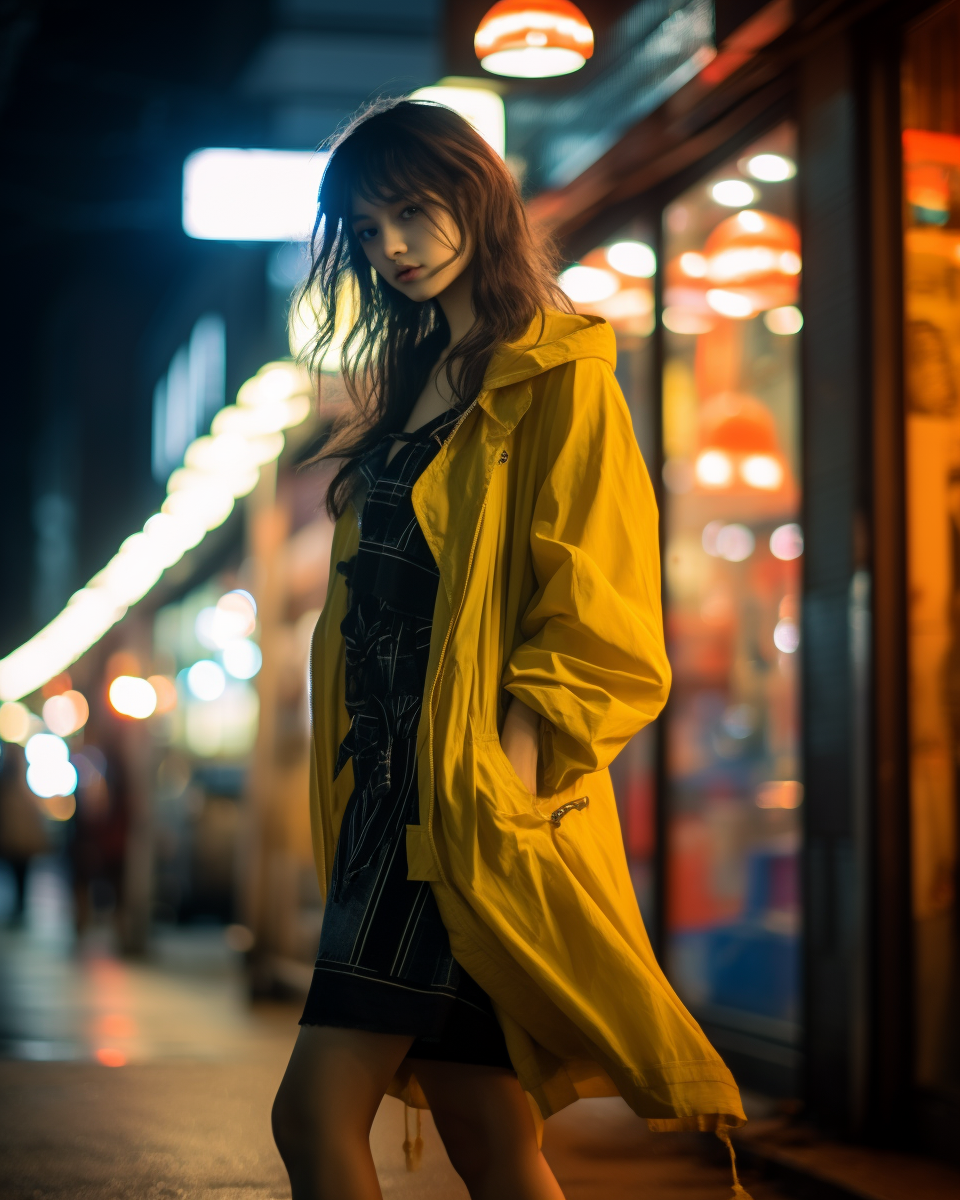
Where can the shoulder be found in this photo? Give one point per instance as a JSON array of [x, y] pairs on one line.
[[582, 392]]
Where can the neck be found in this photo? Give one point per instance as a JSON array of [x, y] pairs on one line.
[[457, 305]]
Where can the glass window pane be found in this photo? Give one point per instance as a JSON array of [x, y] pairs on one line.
[[931, 163], [616, 281], [732, 566]]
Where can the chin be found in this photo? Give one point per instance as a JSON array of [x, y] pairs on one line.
[[419, 292]]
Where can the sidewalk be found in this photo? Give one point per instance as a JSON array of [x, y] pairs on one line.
[[155, 1079]]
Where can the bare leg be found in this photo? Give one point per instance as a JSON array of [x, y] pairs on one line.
[[325, 1108], [484, 1119]]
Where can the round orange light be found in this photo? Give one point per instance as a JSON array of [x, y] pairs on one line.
[[738, 424], [533, 39]]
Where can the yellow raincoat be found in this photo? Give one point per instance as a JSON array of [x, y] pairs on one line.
[[542, 520]]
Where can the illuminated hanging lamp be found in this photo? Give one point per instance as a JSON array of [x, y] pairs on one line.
[[533, 39], [752, 264], [739, 447]]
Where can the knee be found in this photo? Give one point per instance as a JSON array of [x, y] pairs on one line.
[[291, 1123]]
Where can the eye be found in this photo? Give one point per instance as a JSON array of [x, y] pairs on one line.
[[365, 235], [409, 211]]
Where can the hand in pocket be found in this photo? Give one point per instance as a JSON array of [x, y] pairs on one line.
[[520, 741]]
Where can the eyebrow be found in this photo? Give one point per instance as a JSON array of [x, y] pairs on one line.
[[359, 217]]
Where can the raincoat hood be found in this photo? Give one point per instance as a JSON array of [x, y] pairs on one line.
[[540, 515]]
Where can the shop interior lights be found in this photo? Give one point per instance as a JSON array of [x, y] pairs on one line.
[[739, 447], [533, 39], [770, 168], [219, 468], [585, 285], [733, 193]]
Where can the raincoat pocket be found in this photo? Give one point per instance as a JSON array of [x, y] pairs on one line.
[[508, 793]]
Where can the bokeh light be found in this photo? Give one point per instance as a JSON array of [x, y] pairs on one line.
[[242, 659], [14, 721], [166, 691], [66, 713], [587, 285], [632, 258], [206, 680], [132, 697], [786, 635], [735, 542], [200, 497], [786, 542], [733, 193], [784, 321], [713, 468], [60, 807], [771, 168], [49, 769]]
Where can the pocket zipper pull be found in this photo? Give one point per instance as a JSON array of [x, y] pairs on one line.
[[559, 813]]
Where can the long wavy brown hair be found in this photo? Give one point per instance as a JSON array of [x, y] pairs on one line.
[[429, 155]]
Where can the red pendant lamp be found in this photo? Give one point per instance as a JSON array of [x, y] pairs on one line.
[[739, 447], [533, 39], [752, 264]]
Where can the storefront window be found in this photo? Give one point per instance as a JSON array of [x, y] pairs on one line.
[[931, 161], [616, 281], [732, 563]]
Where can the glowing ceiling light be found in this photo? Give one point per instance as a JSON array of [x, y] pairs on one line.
[[480, 106], [733, 193], [714, 469], [761, 471], [132, 697], [784, 321], [730, 304], [632, 258], [771, 168], [786, 542], [587, 285], [200, 498], [251, 195], [533, 39]]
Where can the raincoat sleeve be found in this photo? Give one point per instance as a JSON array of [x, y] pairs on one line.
[[593, 661]]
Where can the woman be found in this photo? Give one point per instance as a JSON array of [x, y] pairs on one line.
[[491, 638]]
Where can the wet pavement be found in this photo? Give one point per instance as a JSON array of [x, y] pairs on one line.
[[155, 1079]]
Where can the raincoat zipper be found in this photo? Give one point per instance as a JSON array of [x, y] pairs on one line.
[[450, 628]]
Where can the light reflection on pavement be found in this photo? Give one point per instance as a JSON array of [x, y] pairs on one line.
[[62, 1001]]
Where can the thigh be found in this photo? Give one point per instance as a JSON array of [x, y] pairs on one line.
[[338, 1076], [478, 1111]]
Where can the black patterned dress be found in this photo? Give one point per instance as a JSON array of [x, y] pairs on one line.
[[384, 962]]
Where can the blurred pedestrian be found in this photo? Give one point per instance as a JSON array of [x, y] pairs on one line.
[[98, 839], [491, 638], [23, 832]]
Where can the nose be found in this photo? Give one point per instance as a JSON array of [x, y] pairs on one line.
[[393, 243]]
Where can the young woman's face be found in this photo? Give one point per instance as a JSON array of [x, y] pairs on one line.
[[412, 246]]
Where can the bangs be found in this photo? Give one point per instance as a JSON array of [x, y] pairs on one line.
[[374, 167]]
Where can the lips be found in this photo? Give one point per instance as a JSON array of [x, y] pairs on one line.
[[408, 273]]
